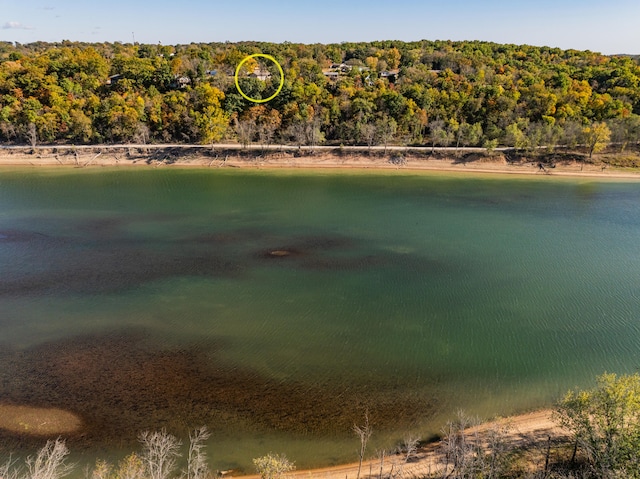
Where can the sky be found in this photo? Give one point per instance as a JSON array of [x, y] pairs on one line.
[[608, 27]]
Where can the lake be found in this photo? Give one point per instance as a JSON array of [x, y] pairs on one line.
[[280, 307]]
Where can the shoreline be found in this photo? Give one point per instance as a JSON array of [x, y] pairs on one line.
[[523, 430], [353, 160]]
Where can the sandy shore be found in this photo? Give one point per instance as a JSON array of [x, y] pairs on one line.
[[185, 157], [531, 429], [35, 421]]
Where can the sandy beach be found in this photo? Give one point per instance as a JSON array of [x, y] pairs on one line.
[[232, 156], [531, 430]]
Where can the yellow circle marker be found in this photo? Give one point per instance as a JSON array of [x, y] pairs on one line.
[[268, 57]]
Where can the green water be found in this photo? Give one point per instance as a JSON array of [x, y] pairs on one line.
[[149, 299]]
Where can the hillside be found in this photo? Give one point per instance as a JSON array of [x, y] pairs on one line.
[[419, 93]]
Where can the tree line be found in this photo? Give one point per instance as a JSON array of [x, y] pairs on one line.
[[437, 93]]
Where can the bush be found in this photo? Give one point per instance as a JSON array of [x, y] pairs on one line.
[[273, 466], [606, 424]]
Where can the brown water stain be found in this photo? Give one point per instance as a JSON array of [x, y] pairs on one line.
[[122, 384], [322, 253], [117, 267], [13, 235]]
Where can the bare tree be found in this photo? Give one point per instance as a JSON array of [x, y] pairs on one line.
[[32, 135], [364, 434], [409, 448], [298, 131], [369, 133], [245, 130], [496, 450], [142, 134], [197, 467], [160, 452], [386, 127], [8, 471], [49, 463], [457, 450], [471, 453], [314, 133], [382, 455], [7, 130], [265, 135]]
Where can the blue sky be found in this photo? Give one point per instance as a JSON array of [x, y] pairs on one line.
[[607, 27]]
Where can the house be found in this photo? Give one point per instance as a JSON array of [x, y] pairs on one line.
[[113, 79], [391, 75], [180, 81], [260, 74], [331, 75], [341, 67]]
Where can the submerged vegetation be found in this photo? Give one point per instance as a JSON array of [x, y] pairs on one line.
[[436, 93], [603, 442]]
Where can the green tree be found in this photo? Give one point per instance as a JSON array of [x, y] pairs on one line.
[[469, 134], [515, 137], [440, 135], [625, 131], [605, 423]]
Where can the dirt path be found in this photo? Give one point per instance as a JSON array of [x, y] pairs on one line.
[[525, 429], [177, 156]]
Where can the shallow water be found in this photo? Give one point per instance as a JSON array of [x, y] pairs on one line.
[[278, 307]]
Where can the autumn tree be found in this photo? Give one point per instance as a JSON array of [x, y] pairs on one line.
[[596, 137], [605, 423], [266, 121], [73, 92], [209, 119]]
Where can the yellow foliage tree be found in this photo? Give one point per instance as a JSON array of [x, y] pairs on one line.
[[596, 137], [208, 116]]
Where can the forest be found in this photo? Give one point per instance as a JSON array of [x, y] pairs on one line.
[[426, 93]]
